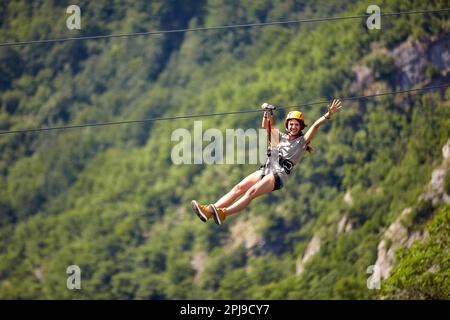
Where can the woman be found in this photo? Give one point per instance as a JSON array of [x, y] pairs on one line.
[[286, 151]]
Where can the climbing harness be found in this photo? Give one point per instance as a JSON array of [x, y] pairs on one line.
[[286, 164]]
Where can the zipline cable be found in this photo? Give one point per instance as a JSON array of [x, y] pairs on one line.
[[368, 96], [215, 114], [234, 26]]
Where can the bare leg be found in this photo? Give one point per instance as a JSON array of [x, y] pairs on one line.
[[239, 189], [263, 186]]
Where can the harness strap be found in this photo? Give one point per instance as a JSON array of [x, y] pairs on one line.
[[286, 164], [269, 137]]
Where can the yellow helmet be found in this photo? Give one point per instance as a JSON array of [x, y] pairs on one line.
[[294, 115]]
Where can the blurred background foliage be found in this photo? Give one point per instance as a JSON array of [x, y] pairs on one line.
[[109, 199]]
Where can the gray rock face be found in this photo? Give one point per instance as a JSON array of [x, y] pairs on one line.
[[411, 60], [436, 191], [395, 236], [311, 250], [398, 235]]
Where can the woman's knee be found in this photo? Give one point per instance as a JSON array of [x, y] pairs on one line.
[[250, 193], [238, 189]]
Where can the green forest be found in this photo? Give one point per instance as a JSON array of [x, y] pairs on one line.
[[109, 199]]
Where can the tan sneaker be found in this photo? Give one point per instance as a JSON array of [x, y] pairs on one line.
[[203, 212], [219, 214]]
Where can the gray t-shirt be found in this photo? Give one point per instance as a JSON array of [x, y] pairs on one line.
[[292, 150]]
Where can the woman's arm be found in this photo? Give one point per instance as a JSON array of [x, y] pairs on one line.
[[275, 135], [265, 121], [332, 109]]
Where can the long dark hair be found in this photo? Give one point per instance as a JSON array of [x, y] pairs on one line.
[[309, 149]]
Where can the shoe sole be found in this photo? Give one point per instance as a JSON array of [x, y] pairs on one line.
[[197, 211], [215, 214]]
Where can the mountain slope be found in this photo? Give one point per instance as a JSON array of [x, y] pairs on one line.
[[111, 201]]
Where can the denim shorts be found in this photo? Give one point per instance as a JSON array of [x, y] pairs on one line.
[[278, 182]]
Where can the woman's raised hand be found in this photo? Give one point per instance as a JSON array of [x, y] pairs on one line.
[[335, 106]]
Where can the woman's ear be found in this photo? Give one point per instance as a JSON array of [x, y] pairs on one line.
[[302, 125]]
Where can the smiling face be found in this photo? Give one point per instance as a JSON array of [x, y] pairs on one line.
[[293, 127]]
